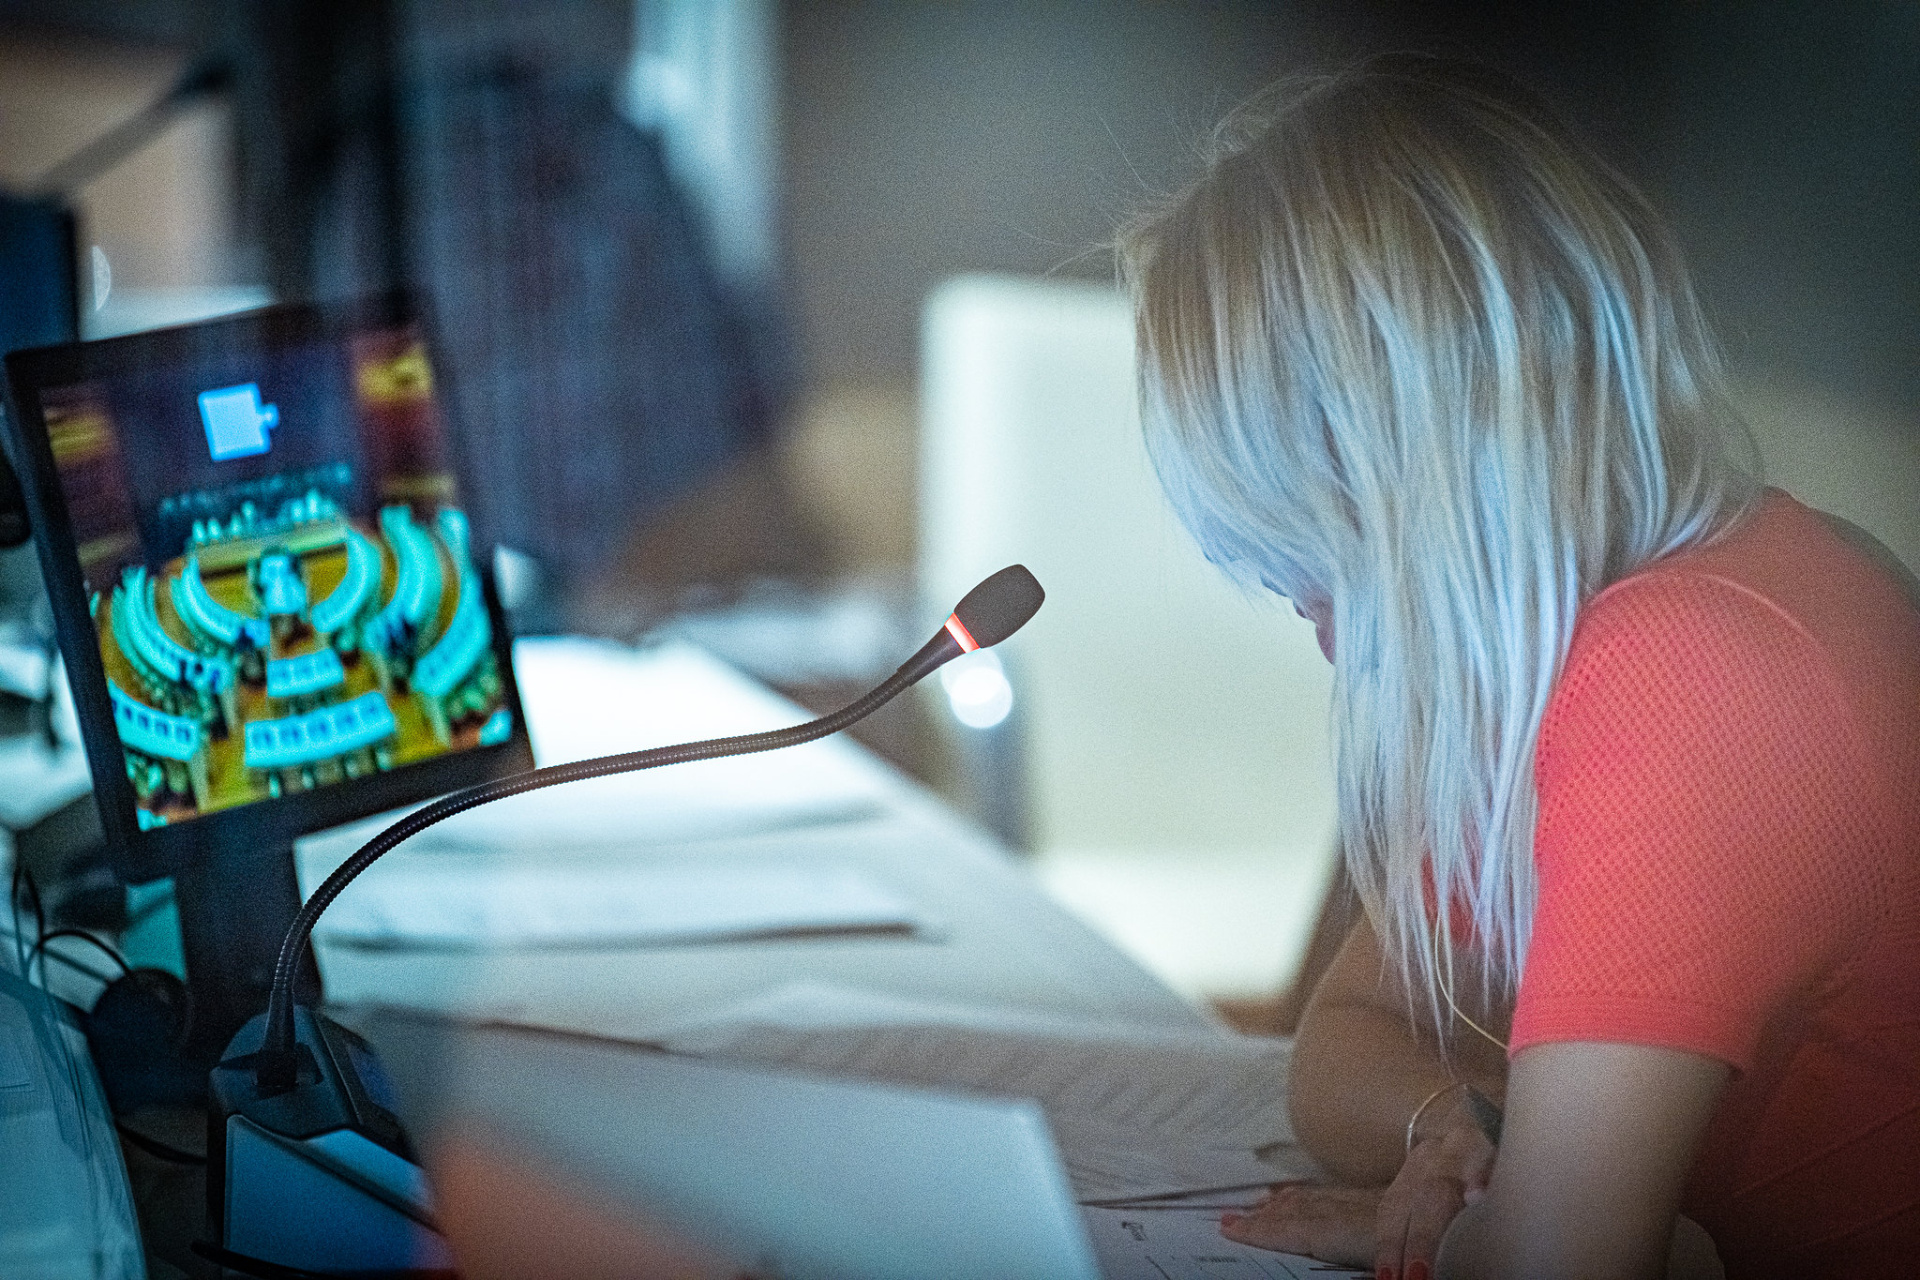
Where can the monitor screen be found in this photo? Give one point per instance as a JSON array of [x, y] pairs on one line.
[[273, 559]]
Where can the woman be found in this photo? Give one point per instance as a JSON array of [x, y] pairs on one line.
[[1417, 360]]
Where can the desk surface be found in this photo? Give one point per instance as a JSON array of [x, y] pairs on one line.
[[998, 941]]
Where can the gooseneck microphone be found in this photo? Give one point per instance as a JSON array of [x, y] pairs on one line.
[[988, 614]]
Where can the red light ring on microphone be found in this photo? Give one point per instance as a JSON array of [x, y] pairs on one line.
[[958, 630]]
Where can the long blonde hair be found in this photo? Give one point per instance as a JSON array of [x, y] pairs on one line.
[[1407, 347]]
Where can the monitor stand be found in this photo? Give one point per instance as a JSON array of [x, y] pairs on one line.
[[236, 903], [154, 1041]]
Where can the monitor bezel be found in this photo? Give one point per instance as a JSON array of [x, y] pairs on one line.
[[139, 854]]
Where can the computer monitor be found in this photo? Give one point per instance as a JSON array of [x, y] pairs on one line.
[[39, 305], [273, 617]]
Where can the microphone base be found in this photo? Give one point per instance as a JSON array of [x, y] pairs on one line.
[[320, 1176]]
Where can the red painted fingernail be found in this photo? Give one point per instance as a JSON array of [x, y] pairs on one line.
[[1417, 1269], [1384, 1273]]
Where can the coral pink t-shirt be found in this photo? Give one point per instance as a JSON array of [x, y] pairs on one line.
[[1728, 853]]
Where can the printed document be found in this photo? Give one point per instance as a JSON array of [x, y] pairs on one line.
[[1183, 1242], [452, 901], [1135, 1113]]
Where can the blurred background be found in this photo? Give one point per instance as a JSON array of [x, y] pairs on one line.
[[775, 325]]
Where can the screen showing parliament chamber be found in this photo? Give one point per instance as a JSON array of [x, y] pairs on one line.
[[277, 567]]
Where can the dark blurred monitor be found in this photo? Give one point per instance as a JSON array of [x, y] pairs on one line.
[[39, 306], [272, 617]]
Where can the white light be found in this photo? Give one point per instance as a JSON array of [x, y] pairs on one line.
[[977, 689], [102, 276]]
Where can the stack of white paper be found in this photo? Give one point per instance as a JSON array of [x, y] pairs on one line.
[[451, 902], [1136, 1114], [588, 698]]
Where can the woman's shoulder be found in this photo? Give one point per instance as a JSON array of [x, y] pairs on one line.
[[1688, 630], [1711, 660], [1778, 663], [1787, 589]]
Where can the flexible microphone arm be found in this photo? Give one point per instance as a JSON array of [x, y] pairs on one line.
[[990, 613]]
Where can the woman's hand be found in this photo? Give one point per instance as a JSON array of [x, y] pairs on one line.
[[1397, 1231], [1332, 1223], [1446, 1171]]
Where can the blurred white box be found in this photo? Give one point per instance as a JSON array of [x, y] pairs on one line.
[[1177, 762]]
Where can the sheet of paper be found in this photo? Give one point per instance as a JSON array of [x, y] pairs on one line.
[[1209, 1089], [805, 1005], [444, 901], [708, 800], [628, 812], [587, 698], [1109, 1166], [1135, 1114], [1185, 1243], [39, 780]]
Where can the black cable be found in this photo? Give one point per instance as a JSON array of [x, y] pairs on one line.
[[39, 908], [13, 907], [50, 650], [275, 1271], [24, 878], [277, 1064], [156, 1148], [41, 950]]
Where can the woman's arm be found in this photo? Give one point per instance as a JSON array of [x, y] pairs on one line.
[[1361, 1068], [1361, 1071], [1596, 1149]]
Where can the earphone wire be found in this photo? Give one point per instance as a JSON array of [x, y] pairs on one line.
[[1443, 978]]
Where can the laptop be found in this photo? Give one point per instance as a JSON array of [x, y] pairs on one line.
[[691, 1166], [751, 1171]]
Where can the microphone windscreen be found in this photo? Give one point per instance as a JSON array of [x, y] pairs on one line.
[[1000, 605]]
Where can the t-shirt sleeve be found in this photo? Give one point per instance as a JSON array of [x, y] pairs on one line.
[[1701, 849]]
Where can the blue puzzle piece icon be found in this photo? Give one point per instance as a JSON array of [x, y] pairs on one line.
[[237, 423]]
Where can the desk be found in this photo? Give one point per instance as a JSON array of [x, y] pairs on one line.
[[998, 943]]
